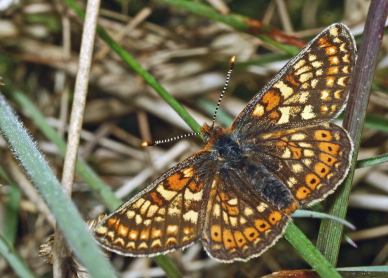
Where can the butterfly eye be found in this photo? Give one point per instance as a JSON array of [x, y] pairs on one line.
[[206, 138]]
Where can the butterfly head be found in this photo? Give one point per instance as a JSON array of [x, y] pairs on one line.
[[210, 133]]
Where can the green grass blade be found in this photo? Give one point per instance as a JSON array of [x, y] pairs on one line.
[[64, 210], [376, 122], [315, 214], [238, 22], [12, 209], [311, 254], [89, 176], [372, 161], [14, 259]]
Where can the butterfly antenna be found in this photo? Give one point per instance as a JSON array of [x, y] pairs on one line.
[[157, 142], [231, 65]]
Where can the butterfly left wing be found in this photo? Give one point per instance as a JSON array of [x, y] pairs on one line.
[[165, 216], [240, 225]]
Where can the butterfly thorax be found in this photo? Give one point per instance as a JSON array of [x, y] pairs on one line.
[[243, 161], [222, 145]]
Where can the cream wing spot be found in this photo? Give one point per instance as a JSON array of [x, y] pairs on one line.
[[119, 240], [305, 145], [314, 83], [308, 112], [248, 211], [166, 194], [144, 207], [312, 57], [299, 64], [147, 222], [133, 234], [156, 242], [286, 153], [305, 77], [259, 110], [193, 196], [138, 219], [325, 95], [285, 90], [297, 168], [302, 70], [343, 47], [131, 244], [233, 202], [138, 203], [317, 64], [337, 40], [341, 81], [299, 98], [162, 211], [285, 117], [334, 32], [217, 210], [188, 172], [159, 219], [308, 153], [191, 216], [243, 220], [345, 58], [172, 229], [152, 210], [298, 136], [143, 245], [130, 214], [307, 162], [233, 221], [102, 230], [262, 207]]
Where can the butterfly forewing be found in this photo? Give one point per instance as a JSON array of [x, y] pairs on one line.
[[312, 88], [167, 215]]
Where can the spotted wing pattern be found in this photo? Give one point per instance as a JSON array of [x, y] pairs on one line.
[[311, 161], [312, 88], [237, 194], [239, 227], [165, 216]]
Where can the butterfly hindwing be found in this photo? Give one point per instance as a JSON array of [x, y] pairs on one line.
[[310, 161], [312, 87], [239, 227], [165, 216]]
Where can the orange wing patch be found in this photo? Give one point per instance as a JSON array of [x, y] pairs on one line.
[[236, 230], [159, 219], [314, 158], [324, 68]]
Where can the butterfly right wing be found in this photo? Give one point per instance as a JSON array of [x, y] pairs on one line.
[[165, 216], [312, 88]]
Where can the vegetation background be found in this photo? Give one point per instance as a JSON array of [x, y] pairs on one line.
[[188, 54]]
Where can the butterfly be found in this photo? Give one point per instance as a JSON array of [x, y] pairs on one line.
[[279, 154]]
